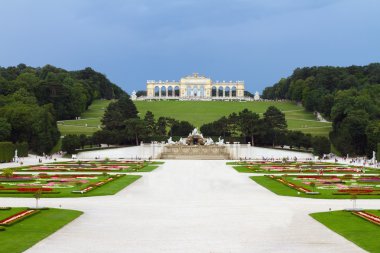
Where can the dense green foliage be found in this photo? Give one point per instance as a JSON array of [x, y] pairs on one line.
[[348, 96], [33, 99]]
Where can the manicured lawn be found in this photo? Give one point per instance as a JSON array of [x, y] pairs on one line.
[[64, 189], [201, 112], [283, 190], [89, 122], [355, 229], [25, 233]]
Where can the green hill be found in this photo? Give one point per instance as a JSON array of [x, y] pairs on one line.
[[200, 112], [89, 121]]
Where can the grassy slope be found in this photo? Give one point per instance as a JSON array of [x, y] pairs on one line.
[[26, 233], [91, 117], [200, 112], [359, 231]]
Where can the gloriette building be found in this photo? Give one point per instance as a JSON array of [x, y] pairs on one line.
[[195, 87]]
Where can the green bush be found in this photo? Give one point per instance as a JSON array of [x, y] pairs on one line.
[[7, 151], [378, 152], [22, 149]]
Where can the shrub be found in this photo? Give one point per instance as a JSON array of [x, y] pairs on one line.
[[7, 151]]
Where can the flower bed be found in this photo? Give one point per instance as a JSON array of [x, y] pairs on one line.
[[291, 185], [368, 216], [17, 217], [98, 184]]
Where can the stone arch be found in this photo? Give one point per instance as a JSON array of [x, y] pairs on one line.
[[195, 92], [170, 91], [156, 91], [227, 91], [202, 91], [220, 91], [233, 91], [188, 91], [213, 91], [176, 91], [163, 91]]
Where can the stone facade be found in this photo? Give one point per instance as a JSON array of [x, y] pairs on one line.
[[195, 87]]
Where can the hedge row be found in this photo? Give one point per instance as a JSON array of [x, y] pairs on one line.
[[7, 150]]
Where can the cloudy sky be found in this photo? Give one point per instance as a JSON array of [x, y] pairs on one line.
[[131, 41]]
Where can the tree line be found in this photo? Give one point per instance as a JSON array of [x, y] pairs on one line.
[[123, 126], [348, 96], [270, 130], [33, 99]]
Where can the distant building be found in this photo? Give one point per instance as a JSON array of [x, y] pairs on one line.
[[257, 96], [133, 95], [195, 87]]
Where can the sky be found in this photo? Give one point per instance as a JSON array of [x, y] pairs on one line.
[[131, 41]]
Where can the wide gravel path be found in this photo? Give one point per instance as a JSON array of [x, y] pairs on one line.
[[194, 206]]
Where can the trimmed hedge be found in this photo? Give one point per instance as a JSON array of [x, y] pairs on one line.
[[7, 151], [22, 149], [378, 152]]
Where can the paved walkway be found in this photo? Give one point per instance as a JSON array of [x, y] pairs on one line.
[[194, 206]]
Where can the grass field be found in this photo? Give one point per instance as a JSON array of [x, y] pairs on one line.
[[200, 112], [359, 231], [89, 122], [25, 233]]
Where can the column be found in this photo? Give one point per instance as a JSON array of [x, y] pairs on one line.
[[167, 92], [159, 91], [230, 91], [224, 91]]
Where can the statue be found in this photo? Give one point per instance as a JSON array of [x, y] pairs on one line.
[[220, 141], [373, 157], [195, 131], [182, 141], [170, 141], [257, 96], [134, 96], [209, 141]]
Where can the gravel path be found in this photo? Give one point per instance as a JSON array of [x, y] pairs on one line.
[[194, 206]]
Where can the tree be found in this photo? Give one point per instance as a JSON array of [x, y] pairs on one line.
[[150, 124], [7, 172], [373, 136], [37, 195], [182, 128], [161, 126], [117, 112], [70, 143], [134, 129], [321, 145], [275, 118], [83, 140], [5, 130], [275, 122], [248, 122]]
